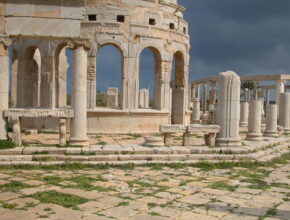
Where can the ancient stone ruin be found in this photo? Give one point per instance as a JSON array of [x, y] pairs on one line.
[[214, 119]]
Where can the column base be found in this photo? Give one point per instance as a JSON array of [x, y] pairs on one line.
[[254, 137], [244, 124], [274, 134], [79, 142], [196, 121], [228, 142]]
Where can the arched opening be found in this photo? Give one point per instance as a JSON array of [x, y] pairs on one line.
[[108, 77], [178, 89], [63, 76], [150, 78], [28, 81]]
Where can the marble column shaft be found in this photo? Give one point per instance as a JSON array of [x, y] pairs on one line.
[[284, 111], [79, 97], [244, 114], [255, 121], [271, 121], [4, 89], [195, 116]]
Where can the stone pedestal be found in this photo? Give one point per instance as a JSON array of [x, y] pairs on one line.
[[79, 98], [271, 121], [228, 109], [195, 116], [255, 119], [244, 114], [4, 85], [284, 111], [62, 131]]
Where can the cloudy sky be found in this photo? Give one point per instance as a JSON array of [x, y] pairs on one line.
[[247, 36]]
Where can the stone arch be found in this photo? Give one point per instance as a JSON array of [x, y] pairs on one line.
[[28, 78], [115, 99], [157, 76]]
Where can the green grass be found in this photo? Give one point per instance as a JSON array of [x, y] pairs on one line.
[[53, 180], [30, 205], [9, 205], [257, 183], [222, 185], [134, 136], [13, 186], [123, 204], [43, 159], [6, 145], [154, 213], [101, 143], [62, 199]]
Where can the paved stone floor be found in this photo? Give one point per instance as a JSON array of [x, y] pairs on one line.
[[157, 192]]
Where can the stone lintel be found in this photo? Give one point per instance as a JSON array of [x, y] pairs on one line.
[[39, 113]]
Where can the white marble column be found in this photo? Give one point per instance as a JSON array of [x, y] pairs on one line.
[[284, 111], [267, 97], [195, 116], [271, 121], [4, 85], [244, 114], [79, 97], [255, 121], [204, 98], [228, 109]]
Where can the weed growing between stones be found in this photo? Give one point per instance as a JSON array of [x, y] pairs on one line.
[[6, 145], [65, 200], [13, 186]]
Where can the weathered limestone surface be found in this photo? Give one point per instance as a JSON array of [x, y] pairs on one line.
[[255, 121], [228, 109], [284, 111], [271, 121]]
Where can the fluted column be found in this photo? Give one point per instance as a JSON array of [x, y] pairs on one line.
[[228, 109], [79, 96], [4, 84]]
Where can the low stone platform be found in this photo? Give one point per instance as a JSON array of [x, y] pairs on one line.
[[140, 155]]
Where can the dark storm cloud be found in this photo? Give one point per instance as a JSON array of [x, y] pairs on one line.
[[247, 36]]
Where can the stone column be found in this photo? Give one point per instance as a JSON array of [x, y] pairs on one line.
[[280, 88], [228, 109], [193, 92], [244, 114], [212, 98], [195, 116], [204, 98], [267, 97], [62, 131], [255, 119], [271, 121], [4, 85], [79, 96], [284, 111]]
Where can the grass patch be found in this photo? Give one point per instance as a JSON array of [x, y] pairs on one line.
[[101, 143], [65, 200], [13, 186], [53, 180], [40, 153], [43, 159], [9, 205], [123, 204], [257, 184], [6, 145], [30, 205], [222, 185], [154, 213], [129, 166]]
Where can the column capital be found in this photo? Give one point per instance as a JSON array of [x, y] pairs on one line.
[[76, 43], [5, 40]]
